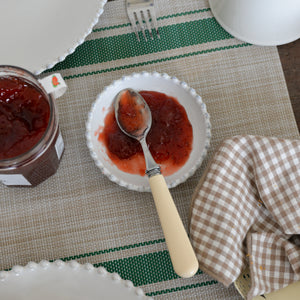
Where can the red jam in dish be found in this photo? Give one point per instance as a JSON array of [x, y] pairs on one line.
[[170, 138], [24, 116]]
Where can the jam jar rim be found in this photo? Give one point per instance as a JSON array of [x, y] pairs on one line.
[[38, 148]]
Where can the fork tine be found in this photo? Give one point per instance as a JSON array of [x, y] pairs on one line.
[[133, 25], [138, 15], [152, 16], [141, 14], [146, 19]]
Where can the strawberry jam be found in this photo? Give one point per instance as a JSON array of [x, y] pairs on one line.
[[31, 145], [170, 138], [24, 116]]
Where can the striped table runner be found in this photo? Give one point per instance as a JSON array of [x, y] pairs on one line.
[[78, 213]]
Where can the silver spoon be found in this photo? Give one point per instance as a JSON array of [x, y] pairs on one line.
[[137, 125]]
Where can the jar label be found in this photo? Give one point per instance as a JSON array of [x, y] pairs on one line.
[[54, 84], [59, 146], [14, 179]]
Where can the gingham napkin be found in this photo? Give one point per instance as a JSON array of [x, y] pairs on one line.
[[246, 210]]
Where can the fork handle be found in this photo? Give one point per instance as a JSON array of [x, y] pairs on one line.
[[182, 255]]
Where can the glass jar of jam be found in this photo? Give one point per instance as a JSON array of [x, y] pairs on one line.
[[31, 144]]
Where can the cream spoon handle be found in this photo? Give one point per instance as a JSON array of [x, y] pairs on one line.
[[182, 254]]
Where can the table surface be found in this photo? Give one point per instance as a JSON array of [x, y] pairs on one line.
[[290, 60], [79, 213]]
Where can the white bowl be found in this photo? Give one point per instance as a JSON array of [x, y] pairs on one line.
[[259, 22], [186, 96]]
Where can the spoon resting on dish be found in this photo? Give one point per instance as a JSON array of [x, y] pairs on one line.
[[134, 119]]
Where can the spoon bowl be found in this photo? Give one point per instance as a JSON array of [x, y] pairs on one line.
[[134, 118], [133, 114]]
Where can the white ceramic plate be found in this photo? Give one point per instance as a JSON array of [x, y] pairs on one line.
[[196, 112], [65, 281], [35, 34]]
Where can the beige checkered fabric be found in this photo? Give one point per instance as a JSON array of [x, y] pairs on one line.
[[246, 210]]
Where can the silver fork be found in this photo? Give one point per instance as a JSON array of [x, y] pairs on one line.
[[141, 12]]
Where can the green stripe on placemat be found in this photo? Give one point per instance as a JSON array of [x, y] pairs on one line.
[[124, 46], [143, 269], [149, 269], [149, 62]]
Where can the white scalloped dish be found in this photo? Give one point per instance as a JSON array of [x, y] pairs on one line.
[[35, 34], [64, 281], [171, 86]]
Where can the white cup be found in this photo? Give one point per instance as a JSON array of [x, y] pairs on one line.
[[259, 22]]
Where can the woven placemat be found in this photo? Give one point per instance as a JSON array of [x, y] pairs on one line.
[[78, 213]]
